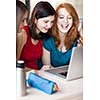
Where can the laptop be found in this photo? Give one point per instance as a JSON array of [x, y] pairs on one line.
[[75, 68]]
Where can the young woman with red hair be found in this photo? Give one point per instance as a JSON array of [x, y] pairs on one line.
[[65, 35]]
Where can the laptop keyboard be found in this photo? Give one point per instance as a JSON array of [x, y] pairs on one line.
[[63, 73], [60, 71]]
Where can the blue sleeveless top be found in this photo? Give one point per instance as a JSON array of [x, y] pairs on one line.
[[58, 58]]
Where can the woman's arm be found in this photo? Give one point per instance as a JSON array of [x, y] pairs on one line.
[[21, 39], [46, 59], [31, 70]]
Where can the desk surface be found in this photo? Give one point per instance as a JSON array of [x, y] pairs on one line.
[[68, 90]]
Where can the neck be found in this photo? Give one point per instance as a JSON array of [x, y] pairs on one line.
[[62, 35], [34, 41]]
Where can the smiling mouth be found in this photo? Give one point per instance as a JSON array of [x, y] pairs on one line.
[[46, 29], [64, 26]]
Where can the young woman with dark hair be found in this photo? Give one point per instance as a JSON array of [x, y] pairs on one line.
[[40, 24]]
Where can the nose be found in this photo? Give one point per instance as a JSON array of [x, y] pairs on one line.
[[49, 25], [25, 22], [65, 19]]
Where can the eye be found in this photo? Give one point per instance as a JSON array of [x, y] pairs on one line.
[[46, 21], [69, 17], [61, 17], [25, 19]]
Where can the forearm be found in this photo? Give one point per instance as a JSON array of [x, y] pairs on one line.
[[33, 70], [46, 57], [46, 60]]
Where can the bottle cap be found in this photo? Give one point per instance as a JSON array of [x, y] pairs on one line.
[[20, 64]]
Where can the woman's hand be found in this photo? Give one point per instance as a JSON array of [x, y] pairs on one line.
[[80, 41], [45, 67]]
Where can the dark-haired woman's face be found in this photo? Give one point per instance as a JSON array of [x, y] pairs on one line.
[[44, 24], [23, 21]]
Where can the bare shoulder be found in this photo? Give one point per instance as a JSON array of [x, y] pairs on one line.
[[22, 34]]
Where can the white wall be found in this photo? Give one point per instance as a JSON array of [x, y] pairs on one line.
[[78, 4]]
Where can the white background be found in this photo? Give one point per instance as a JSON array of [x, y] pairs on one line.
[[76, 3], [91, 29]]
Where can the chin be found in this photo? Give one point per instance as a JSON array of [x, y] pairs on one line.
[[44, 31], [64, 32]]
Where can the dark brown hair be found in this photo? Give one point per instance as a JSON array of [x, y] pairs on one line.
[[42, 9]]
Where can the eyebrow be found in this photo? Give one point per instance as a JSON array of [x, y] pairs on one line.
[[60, 15], [63, 15], [46, 20]]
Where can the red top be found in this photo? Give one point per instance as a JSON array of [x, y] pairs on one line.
[[31, 53]]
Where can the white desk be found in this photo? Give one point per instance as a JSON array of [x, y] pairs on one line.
[[68, 90]]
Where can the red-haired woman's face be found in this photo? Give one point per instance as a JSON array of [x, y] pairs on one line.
[[64, 21]]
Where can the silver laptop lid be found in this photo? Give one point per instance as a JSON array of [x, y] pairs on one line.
[[75, 69]]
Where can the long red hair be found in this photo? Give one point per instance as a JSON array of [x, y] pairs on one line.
[[73, 32]]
